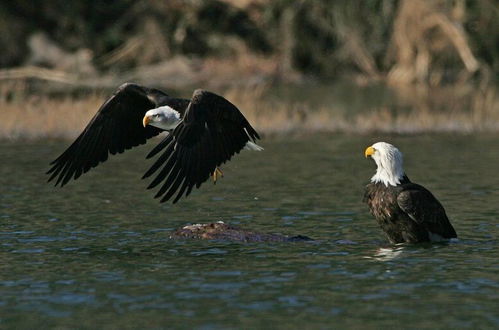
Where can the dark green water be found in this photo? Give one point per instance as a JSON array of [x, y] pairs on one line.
[[96, 254]]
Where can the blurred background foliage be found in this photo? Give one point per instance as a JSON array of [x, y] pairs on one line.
[[437, 61], [314, 37]]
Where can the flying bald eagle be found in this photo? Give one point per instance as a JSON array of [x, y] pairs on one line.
[[405, 211], [204, 132]]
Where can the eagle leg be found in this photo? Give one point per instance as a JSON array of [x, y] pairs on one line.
[[216, 174]]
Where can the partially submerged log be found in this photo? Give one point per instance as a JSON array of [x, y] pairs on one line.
[[222, 231]]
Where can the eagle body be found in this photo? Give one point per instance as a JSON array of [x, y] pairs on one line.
[[392, 207], [203, 133], [406, 212]]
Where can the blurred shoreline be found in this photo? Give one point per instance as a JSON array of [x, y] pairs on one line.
[[280, 110], [305, 66]]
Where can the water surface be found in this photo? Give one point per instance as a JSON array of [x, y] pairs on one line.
[[97, 253]]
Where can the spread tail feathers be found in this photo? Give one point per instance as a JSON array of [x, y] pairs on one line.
[[252, 146]]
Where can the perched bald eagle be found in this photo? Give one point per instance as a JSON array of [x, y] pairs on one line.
[[204, 132], [405, 211]]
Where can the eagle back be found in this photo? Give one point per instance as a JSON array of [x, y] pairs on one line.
[[395, 223]]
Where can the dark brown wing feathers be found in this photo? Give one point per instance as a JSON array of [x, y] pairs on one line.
[[212, 131], [117, 126], [422, 207]]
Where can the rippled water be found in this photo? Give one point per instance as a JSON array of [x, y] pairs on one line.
[[97, 254]]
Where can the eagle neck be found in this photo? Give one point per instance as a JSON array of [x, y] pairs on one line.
[[391, 176]]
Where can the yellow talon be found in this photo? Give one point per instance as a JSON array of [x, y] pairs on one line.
[[216, 174]]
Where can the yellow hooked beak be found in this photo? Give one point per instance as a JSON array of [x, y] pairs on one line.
[[369, 151], [146, 120]]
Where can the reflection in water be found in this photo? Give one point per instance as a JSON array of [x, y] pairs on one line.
[[98, 253], [387, 253]]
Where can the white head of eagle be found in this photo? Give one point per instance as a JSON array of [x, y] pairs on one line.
[[389, 160], [163, 117]]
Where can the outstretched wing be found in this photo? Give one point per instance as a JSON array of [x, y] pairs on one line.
[[115, 127], [422, 207], [211, 132]]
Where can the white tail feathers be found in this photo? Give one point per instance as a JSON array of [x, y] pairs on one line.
[[252, 146]]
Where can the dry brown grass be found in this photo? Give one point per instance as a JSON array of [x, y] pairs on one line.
[[46, 118], [456, 109], [443, 111], [33, 117]]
